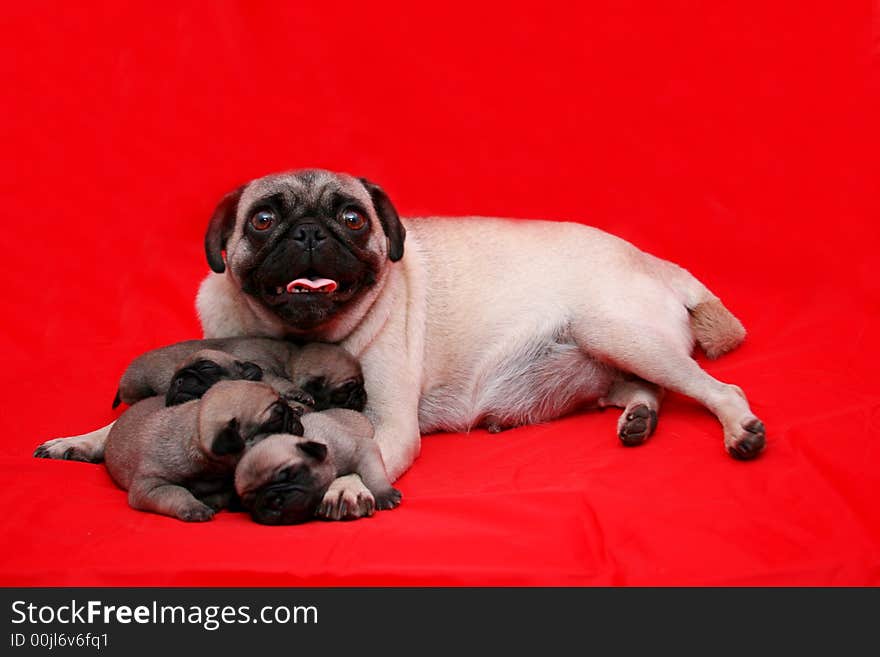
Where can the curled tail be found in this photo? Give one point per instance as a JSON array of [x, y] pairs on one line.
[[715, 328]]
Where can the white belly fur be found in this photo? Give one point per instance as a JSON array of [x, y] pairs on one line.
[[537, 381]]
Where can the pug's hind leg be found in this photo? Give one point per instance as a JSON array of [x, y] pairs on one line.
[[168, 500], [662, 355], [88, 447], [640, 401]]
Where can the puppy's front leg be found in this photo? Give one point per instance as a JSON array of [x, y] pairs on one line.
[[88, 447]]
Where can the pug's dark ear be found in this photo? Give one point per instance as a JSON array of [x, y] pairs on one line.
[[394, 230], [220, 228], [228, 440], [317, 451]]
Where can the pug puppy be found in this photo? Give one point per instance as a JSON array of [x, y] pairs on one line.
[[483, 322], [179, 461], [284, 479], [330, 375]]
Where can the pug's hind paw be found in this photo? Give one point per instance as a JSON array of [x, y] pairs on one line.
[[636, 424], [748, 441], [196, 513]]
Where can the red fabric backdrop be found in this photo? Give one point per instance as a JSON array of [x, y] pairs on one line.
[[735, 138]]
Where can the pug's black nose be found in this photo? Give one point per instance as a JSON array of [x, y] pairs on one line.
[[309, 236]]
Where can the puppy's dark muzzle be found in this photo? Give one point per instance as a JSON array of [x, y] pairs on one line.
[[283, 504], [193, 381]]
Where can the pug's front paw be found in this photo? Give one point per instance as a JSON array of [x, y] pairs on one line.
[[76, 448], [347, 499], [388, 499]]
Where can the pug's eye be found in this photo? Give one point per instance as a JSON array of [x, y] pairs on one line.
[[263, 220], [354, 219]]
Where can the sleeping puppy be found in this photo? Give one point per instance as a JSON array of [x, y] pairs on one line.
[[184, 370], [179, 461], [283, 479], [201, 370]]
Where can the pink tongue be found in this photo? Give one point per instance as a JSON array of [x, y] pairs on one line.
[[317, 284]]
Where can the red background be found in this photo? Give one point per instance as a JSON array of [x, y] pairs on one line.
[[735, 138]]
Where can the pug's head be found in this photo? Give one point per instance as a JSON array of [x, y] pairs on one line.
[[196, 374], [234, 415], [331, 375], [282, 480], [305, 245]]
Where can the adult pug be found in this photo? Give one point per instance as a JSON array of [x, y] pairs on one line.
[[477, 321]]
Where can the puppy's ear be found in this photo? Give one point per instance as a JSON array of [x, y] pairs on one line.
[[317, 451], [394, 230], [220, 228], [228, 440]]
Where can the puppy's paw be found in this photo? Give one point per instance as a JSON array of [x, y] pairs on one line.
[[76, 448], [347, 499], [197, 512], [747, 441], [636, 424], [298, 397], [388, 499]]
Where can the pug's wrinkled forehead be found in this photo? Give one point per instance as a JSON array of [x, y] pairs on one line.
[[307, 192]]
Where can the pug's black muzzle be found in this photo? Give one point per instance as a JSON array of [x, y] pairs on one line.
[[284, 504], [310, 254]]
